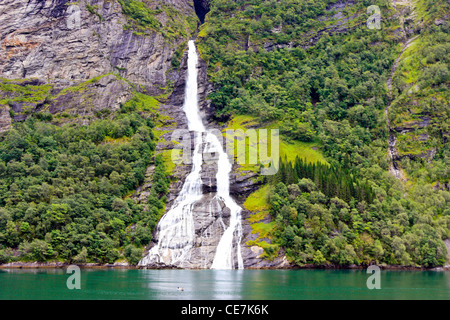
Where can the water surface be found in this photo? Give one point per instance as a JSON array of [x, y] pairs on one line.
[[222, 284]]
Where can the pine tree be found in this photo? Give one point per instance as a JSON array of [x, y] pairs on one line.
[[331, 181]]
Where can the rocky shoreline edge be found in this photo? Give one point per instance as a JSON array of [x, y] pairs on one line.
[[125, 265]]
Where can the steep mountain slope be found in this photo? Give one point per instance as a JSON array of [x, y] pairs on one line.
[[90, 92], [419, 108], [322, 73], [87, 57], [103, 72], [106, 73]]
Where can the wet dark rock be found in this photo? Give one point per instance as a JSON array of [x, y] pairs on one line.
[[201, 9], [423, 122], [5, 119]]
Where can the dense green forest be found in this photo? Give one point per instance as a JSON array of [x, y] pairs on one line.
[[333, 182], [316, 227], [317, 72], [311, 68], [64, 190]]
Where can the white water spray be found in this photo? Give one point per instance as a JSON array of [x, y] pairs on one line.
[[191, 95], [224, 252], [176, 227]]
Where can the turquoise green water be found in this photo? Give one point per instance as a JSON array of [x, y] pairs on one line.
[[230, 285]]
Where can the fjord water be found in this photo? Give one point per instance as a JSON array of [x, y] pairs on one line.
[[140, 284], [176, 228]]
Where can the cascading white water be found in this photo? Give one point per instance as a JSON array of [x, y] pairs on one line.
[[191, 96], [176, 227], [224, 252]]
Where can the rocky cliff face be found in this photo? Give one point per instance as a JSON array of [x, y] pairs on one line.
[[5, 119], [69, 46], [44, 43]]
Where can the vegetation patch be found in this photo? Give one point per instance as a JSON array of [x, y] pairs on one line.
[[23, 93], [140, 14], [257, 203], [94, 10], [145, 18], [63, 190]]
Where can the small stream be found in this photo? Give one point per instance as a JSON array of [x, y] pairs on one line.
[[392, 140]]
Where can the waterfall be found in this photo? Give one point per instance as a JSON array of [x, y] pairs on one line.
[[176, 228], [224, 253], [191, 96]]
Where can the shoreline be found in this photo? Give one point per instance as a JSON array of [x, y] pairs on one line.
[[124, 265]]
